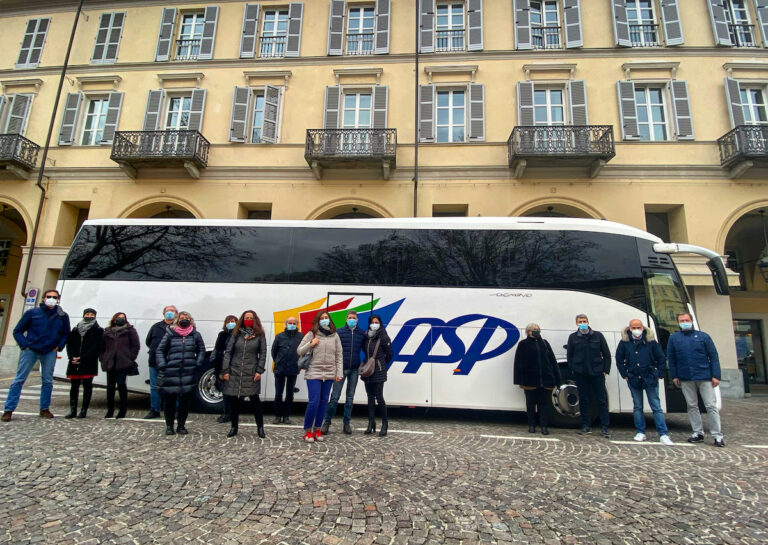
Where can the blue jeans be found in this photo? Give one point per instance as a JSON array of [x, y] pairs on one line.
[[155, 399], [27, 361], [350, 376], [652, 392], [318, 391]]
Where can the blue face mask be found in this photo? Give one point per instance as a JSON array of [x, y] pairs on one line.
[[291, 327], [170, 315], [583, 327], [230, 326], [325, 322], [351, 322], [686, 326]]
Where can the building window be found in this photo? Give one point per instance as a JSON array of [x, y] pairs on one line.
[[274, 29], [549, 107], [190, 35], [258, 117], [32, 43], [357, 111], [643, 30], [449, 27], [5, 252], [179, 109], [451, 116], [360, 30], [651, 113], [94, 121], [739, 28], [753, 104], [545, 25]]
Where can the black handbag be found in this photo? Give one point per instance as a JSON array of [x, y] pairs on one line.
[[305, 360]]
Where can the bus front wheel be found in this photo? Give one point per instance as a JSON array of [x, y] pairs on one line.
[[208, 398], [565, 403]]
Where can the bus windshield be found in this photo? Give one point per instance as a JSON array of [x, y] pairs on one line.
[[667, 299]]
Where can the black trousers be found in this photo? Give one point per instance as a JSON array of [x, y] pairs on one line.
[[591, 392], [375, 393], [238, 404], [538, 402], [116, 380], [179, 413], [283, 406], [74, 391]]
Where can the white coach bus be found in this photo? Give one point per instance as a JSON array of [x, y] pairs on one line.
[[455, 294]]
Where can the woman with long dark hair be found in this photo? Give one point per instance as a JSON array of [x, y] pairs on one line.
[[378, 346], [118, 355], [217, 358]]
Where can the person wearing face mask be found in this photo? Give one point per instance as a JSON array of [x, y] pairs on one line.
[[351, 338], [325, 368], [377, 345], [118, 354], [155, 335], [590, 361], [694, 366], [217, 357], [641, 362], [40, 333], [536, 371], [286, 368], [83, 345], [179, 356]]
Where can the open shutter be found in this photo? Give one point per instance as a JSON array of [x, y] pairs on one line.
[[108, 38], [572, 18], [670, 18], [681, 107], [380, 101], [336, 27], [2, 105], [197, 107], [163, 51], [152, 112], [525, 117], [628, 110], [115, 33], [475, 25], [577, 96], [26, 42], [426, 113], [523, 24], [427, 26], [295, 16], [476, 112], [332, 107], [17, 114], [114, 105], [38, 42], [102, 35], [69, 118], [383, 15], [761, 7], [270, 128], [620, 24], [250, 25], [719, 22], [210, 18], [239, 119], [733, 95]]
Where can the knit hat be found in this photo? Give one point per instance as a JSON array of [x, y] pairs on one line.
[[89, 311]]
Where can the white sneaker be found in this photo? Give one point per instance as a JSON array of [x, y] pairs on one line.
[[665, 440], [640, 437]]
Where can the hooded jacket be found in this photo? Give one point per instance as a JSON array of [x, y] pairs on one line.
[[178, 359], [641, 358], [327, 362], [243, 359]]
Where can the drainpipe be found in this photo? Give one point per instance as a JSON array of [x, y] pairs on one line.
[[41, 172], [416, 116]]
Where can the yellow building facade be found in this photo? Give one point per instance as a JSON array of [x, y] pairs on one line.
[[645, 112]]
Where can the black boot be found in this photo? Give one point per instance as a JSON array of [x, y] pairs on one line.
[[110, 401], [235, 419], [260, 432], [384, 421], [87, 391], [122, 390], [371, 427], [73, 391], [169, 430], [232, 431]]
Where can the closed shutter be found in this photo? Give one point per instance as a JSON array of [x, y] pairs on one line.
[[336, 27], [114, 105], [627, 110], [69, 118], [572, 17], [733, 95], [427, 26], [525, 116], [719, 22], [239, 119], [380, 101], [295, 16], [196, 110], [250, 26], [383, 16], [682, 109], [2, 105], [210, 18], [271, 129], [108, 38], [167, 22], [620, 24], [426, 113], [18, 111], [523, 24], [332, 107], [670, 18], [33, 42], [577, 96], [476, 111], [761, 7], [152, 113], [475, 25], [26, 42]]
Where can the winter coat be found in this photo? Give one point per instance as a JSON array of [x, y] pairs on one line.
[[87, 348], [383, 355], [641, 361], [178, 360], [243, 359], [119, 349], [351, 343], [327, 362], [154, 336], [535, 364], [588, 354], [692, 356], [284, 352], [42, 329], [217, 356]]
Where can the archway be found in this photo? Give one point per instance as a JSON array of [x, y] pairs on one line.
[[556, 210], [349, 210], [13, 235], [161, 209]]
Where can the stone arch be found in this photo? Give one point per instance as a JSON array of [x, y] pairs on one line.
[[736, 215], [25, 218], [152, 206], [345, 206], [560, 206]]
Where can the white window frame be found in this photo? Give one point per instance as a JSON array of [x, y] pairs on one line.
[[275, 48], [191, 52], [749, 105], [564, 104], [451, 125], [642, 38], [357, 92], [451, 28], [743, 36], [538, 31], [5, 115], [360, 45], [82, 122], [255, 95], [666, 105], [167, 110], [32, 43]]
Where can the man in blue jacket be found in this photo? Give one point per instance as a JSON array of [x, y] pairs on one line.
[[40, 333], [695, 367], [351, 338]]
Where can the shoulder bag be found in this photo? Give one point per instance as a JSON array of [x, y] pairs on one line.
[[367, 368], [304, 360]]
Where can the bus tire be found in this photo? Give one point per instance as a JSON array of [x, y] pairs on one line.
[[565, 406], [208, 398]]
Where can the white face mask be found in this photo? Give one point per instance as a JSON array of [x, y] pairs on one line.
[[375, 326], [51, 302], [637, 333]]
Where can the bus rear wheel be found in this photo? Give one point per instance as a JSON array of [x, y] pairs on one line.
[[208, 398], [565, 404]]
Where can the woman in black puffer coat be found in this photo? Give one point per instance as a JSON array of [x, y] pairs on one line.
[[180, 354], [377, 344]]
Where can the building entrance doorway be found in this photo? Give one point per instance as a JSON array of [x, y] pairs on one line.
[[749, 349]]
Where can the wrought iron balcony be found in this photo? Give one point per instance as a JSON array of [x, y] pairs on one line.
[[272, 46], [352, 148], [187, 50], [18, 155], [449, 40], [546, 37], [134, 149], [566, 146], [644, 35], [742, 35], [360, 44], [744, 147]]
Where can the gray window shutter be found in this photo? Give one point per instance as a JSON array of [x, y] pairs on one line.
[[196, 110], [670, 18], [336, 27], [17, 114], [271, 129], [523, 24], [476, 112], [108, 38], [572, 18], [105, 23], [426, 113], [210, 19], [37, 44], [761, 7], [165, 36], [383, 15], [114, 105], [239, 120], [380, 101], [69, 118], [2, 105], [250, 29], [33, 42], [719, 22], [115, 34], [152, 113], [525, 117], [577, 96], [475, 25], [332, 107], [620, 24], [295, 16], [26, 42], [681, 107], [733, 95], [427, 26], [627, 110]]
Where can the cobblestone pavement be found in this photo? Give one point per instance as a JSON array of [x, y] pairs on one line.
[[446, 478]]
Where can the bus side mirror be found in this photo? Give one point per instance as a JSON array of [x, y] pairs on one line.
[[719, 276]]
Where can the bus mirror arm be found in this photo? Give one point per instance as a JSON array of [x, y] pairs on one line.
[[714, 263]]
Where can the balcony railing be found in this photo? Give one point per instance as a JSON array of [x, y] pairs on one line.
[[17, 151], [644, 35], [161, 148], [745, 142], [187, 50], [572, 145], [272, 46], [449, 40], [742, 35], [546, 37], [360, 44], [333, 147]]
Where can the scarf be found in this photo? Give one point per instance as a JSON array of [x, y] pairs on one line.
[[184, 331], [83, 327], [118, 327], [371, 333], [326, 331], [247, 332]]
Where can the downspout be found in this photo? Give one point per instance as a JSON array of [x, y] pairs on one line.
[[41, 172], [416, 116]]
